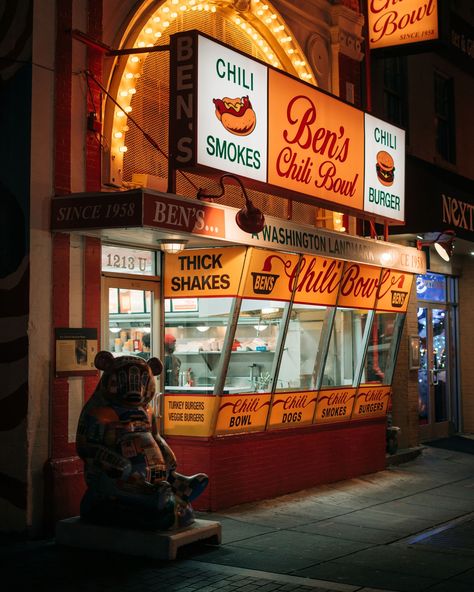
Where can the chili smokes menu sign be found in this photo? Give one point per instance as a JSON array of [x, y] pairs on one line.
[[231, 113]]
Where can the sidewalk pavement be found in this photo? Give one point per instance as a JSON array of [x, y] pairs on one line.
[[408, 528]]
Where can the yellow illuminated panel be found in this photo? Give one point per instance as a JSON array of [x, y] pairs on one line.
[[242, 413], [315, 143], [188, 415], [290, 410], [394, 291], [204, 272], [359, 286], [318, 281], [393, 22], [270, 275], [335, 405], [371, 401]]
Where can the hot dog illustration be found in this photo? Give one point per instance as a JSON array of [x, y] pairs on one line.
[[236, 115]]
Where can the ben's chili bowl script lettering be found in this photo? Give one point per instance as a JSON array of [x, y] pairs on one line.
[[321, 275], [326, 147]]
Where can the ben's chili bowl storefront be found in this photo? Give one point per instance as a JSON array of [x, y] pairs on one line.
[[284, 342]]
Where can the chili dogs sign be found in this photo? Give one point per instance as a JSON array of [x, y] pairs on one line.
[[231, 113], [397, 22]]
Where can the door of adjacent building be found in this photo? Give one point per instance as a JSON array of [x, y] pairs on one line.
[[437, 390]]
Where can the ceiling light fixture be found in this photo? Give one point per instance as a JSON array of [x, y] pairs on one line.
[[172, 246], [249, 219]]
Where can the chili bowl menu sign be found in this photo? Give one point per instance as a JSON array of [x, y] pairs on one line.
[[233, 114], [398, 22]]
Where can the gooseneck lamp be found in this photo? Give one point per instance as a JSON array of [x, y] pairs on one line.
[[249, 218]]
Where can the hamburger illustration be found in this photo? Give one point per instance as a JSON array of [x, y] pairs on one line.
[[385, 168], [236, 115]]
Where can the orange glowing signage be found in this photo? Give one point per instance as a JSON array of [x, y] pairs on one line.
[[291, 410], [237, 115], [267, 275], [335, 405], [318, 281], [397, 22], [188, 415], [242, 413], [201, 272], [394, 294], [315, 144], [359, 286], [371, 401]]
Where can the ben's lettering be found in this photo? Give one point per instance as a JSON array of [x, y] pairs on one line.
[[332, 146]]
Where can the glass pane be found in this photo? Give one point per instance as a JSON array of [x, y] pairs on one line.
[[431, 286], [129, 326], [254, 345], [423, 386], [301, 347], [439, 365], [194, 339], [345, 347], [383, 341]]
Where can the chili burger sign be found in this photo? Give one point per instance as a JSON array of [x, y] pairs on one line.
[[231, 113]]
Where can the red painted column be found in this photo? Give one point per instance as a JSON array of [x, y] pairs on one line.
[[92, 277]]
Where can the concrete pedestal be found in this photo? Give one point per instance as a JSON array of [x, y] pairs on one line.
[[73, 532]]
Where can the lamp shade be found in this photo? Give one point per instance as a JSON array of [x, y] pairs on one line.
[[172, 246]]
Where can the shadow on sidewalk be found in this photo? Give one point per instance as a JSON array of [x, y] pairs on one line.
[[456, 443]]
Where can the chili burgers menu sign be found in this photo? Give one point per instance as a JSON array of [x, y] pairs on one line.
[[231, 113]]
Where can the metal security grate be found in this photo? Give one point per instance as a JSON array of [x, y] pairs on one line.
[[150, 109]]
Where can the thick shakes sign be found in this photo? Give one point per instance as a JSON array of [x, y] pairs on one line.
[[231, 113]]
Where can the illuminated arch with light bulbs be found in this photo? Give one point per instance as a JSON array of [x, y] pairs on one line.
[[254, 21]]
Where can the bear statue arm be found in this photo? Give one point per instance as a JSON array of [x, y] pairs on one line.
[[168, 454]]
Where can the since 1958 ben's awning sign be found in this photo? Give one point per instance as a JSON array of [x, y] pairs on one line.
[[231, 113]]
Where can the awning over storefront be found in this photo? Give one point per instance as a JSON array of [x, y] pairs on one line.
[[142, 216]]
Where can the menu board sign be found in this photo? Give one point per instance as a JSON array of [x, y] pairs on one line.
[[188, 415], [371, 401], [242, 413], [335, 405], [398, 22], [201, 272], [234, 114], [290, 410]]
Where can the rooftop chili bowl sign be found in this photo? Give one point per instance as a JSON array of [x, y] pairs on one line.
[[232, 113]]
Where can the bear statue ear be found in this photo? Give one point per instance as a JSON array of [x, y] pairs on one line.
[[156, 366], [104, 360]]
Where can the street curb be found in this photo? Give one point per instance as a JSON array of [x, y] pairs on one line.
[[403, 456]]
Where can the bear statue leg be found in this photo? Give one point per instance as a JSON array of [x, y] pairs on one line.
[[188, 488]]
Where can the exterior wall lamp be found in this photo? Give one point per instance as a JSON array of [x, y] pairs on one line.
[[249, 218], [443, 243]]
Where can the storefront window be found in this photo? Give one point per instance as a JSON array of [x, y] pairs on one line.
[[253, 349], [345, 348], [381, 351], [302, 342], [194, 338], [431, 286], [129, 321]]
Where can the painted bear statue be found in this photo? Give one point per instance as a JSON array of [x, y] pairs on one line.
[[129, 469]]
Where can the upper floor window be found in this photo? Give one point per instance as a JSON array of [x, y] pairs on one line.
[[444, 117], [394, 91]]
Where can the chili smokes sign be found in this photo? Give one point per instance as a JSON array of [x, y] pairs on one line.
[[231, 113]]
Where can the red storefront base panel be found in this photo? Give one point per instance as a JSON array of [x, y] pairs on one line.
[[251, 467], [246, 467]]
